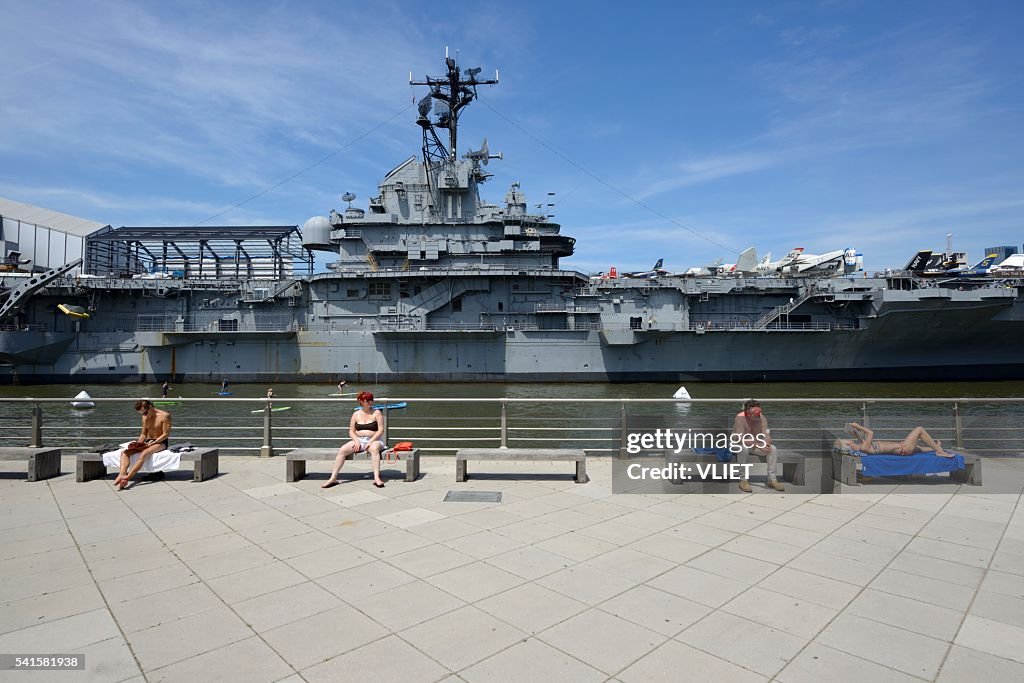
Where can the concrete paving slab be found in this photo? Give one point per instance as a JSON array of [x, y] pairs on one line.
[[253, 579]]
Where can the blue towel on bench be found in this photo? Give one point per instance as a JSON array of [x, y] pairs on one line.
[[898, 465], [721, 454]]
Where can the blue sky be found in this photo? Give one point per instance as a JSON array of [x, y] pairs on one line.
[[687, 132]]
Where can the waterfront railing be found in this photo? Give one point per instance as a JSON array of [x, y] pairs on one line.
[[439, 426]]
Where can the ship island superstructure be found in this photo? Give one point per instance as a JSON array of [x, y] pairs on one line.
[[432, 282]]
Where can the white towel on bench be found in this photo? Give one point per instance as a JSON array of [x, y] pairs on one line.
[[161, 461]]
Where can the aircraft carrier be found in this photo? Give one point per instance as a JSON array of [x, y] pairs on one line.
[[432, 283]]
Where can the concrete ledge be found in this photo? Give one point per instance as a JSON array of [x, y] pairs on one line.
[[552, 454], [295, 461], [43, 463]]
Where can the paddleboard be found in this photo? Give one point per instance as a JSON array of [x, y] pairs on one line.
[[273, 410], [388, 406], [166, 403], [223, 393], [351, 393]]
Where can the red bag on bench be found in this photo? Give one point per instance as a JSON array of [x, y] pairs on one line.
[[396, 449]]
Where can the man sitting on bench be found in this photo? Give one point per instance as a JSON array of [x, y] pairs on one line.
[[751, 421], [156, 431]]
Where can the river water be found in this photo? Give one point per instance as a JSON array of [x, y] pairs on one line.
[[440, 427]]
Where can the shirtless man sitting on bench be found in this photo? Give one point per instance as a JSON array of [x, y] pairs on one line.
[[156, 431]]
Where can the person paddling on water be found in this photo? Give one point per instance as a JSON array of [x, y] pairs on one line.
[[224, 386], [366, 429], [341, 386], [164, 389], [270, 397]]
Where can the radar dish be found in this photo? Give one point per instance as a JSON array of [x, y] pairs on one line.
[[425, 104], [348, 197], [473, 72]]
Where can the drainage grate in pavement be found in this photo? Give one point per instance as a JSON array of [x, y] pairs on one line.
[[473, 497]]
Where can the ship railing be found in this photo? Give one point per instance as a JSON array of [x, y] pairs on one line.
[[212, 322], [439, 426], [12, 327], [748, 326]]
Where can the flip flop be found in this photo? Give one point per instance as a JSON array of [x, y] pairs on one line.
[[380, 486]]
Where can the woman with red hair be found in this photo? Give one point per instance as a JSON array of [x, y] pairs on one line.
[[366, 430]]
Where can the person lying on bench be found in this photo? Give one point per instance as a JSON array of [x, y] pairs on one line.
[[156, 431], [366, 429], [865, 442]]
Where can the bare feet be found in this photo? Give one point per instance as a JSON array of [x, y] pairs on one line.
[[123, 484], [329, 483], [941, 453], [119, 479]]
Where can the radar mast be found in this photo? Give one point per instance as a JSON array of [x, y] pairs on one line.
[[448, 95]]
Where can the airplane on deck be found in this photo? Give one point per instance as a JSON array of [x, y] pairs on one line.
[[768, 266], [656, 271], [839, 261]]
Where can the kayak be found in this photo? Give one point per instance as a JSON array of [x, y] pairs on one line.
[[273, 410], [166, 403], [351, 393]]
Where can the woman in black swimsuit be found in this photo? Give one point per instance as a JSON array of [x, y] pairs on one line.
[[366, 429]]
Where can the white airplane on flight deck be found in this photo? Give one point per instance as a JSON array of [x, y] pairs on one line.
[[769, 266], [746, 263], [841, 260], [704, 271]]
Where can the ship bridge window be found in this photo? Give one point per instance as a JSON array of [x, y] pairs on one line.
[[636, 323], [379, 288], [227, 325]]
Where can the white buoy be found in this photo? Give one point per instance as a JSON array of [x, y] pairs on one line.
[[82, 400], [681, 392]]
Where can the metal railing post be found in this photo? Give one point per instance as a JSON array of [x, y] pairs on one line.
[[958, 426], [37, 427], [622, 430], [504, 423], [864, 419], [267, 449], [384, 416]]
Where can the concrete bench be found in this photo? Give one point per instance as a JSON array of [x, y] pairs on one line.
[[89, 466], [295, 461], [555, 454], [43, 463], [845, 466]]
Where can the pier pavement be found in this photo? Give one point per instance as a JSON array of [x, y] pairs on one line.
[[247, 578]]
